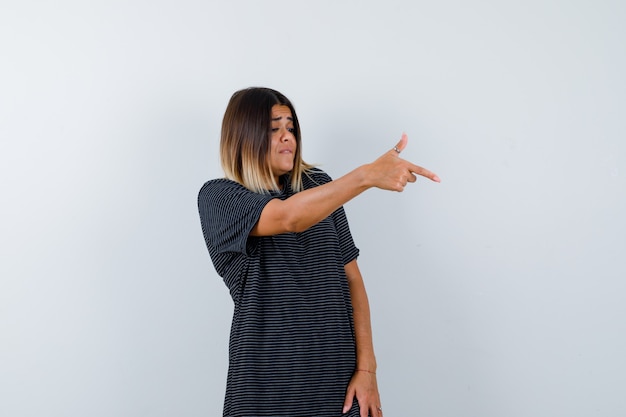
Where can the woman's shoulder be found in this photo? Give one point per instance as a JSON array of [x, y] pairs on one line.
[[220, 186], [314, 177], [226, 193], [221, 183]]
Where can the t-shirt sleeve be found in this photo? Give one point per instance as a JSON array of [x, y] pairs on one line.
[[228, 212], [349, 251]]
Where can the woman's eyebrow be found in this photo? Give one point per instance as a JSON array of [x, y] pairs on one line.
[[275, 119]]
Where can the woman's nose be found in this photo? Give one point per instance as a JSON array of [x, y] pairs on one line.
[[287, 135]]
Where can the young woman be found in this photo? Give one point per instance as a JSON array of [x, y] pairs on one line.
[[301, 340]]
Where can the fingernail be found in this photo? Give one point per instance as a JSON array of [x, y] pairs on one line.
[[436, 179]]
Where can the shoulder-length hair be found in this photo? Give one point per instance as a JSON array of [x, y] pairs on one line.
[[245, 141]]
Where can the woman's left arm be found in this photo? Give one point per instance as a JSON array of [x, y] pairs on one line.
[[363, 384]]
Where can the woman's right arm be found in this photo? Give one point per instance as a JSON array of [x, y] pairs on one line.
[[307, 208]]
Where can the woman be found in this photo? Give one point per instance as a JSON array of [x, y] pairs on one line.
[[301, 340]]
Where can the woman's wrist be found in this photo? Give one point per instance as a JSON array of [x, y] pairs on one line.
[[368, 364], [362, 175]]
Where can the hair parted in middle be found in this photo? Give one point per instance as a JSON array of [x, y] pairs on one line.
[[245, 140]]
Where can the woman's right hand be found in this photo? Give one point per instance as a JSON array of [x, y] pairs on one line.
[[390, 172]]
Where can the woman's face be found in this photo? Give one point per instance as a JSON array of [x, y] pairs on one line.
[[283, 146]]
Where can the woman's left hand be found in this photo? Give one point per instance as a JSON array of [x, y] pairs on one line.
[[364, 387]]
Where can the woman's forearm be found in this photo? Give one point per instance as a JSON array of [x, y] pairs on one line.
[[307, 208], [365, 357]]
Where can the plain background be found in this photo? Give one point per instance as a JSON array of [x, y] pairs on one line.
[[498, 293]]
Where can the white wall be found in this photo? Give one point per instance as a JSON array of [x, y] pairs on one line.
[[499, 292]]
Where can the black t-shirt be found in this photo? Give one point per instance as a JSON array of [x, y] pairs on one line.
[[292, 349]]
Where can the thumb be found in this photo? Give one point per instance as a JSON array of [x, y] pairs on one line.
[[347, 404], [402, 144]]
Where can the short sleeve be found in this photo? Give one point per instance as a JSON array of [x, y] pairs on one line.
[[349, 251], [228, 212]]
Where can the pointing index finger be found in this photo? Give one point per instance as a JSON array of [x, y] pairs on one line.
[[415, 169]]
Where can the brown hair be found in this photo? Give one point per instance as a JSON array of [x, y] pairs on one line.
[[245, 141]]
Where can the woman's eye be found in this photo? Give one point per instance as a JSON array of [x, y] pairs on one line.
[[291, 129]]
